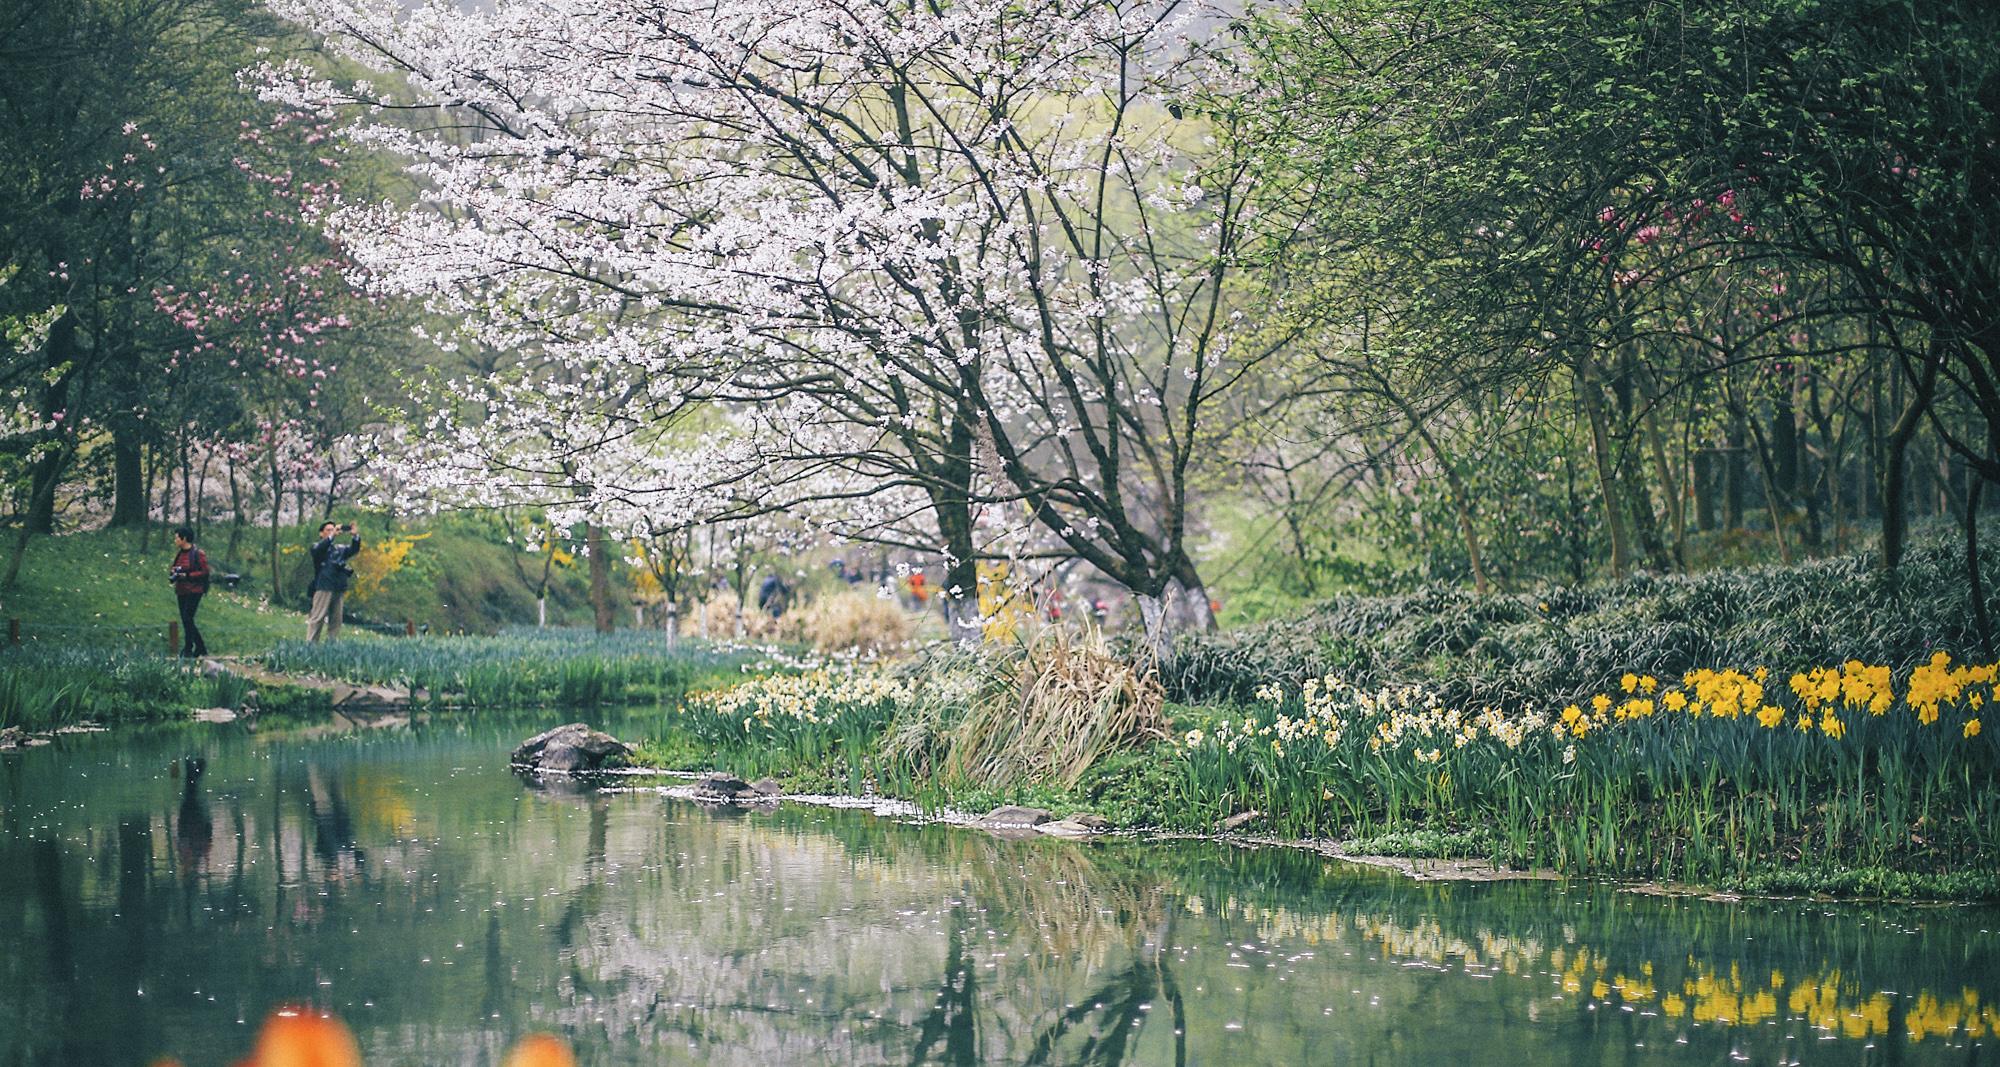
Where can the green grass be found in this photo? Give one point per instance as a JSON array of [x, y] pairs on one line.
[[522, 667], [98, 588]]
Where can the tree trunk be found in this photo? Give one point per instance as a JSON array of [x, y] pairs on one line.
[[1181, 606], [187, 483], [1671, 486], [1705, 517], [1772, 497], [44, 491], [277, 505], [1590, 395], [128, 475], [46, 473], [961, 613], [1735, 474], [600, 578], [1784, 465], [151, 463], [1461, 496], [1645, 522], [1189, 607], [44, 476], [1895, 514], [1975, 587], [235, 509], [1153, 616]]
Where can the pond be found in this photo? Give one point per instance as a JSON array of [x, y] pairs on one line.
[[404, 879]]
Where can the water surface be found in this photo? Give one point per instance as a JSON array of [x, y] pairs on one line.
[[404, 879]]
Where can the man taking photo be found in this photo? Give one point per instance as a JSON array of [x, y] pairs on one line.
[[332, 574]]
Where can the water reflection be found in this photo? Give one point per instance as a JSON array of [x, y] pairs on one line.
[[165, 890]]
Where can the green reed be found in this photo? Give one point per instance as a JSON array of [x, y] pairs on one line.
[[44, 688]]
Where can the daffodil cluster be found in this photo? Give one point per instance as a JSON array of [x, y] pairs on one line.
[[1722, 765], [813, 697]]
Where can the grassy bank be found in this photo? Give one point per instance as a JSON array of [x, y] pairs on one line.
[[520, 668], [109, 587], [1845, 751], [45, 688], [1793, 792]]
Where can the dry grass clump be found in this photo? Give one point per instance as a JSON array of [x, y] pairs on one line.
[[1071, 703], [851, 621]]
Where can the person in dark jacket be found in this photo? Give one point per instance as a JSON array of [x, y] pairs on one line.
[[318, 554], [190, 578], [330, 581]]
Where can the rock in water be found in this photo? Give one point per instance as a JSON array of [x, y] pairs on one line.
[[571, 748], [723, 787], [1013, 817], [767, 787]]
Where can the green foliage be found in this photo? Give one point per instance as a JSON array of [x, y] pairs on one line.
[[1557, 645], [1425, 844], [1879, 883]]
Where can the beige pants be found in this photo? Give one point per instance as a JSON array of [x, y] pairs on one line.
[[325, 617]]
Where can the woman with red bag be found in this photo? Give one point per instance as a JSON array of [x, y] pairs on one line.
[[190, 578]]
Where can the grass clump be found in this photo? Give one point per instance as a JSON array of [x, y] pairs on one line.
[[856, 623], [1425, 844], [1070, 703], [1873, 882]]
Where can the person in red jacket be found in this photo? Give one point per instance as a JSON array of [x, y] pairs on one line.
[[190, 578]]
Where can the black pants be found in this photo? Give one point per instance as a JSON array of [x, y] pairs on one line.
[[191, 642]]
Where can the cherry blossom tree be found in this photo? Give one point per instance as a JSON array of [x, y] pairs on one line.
[[987, 247]]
